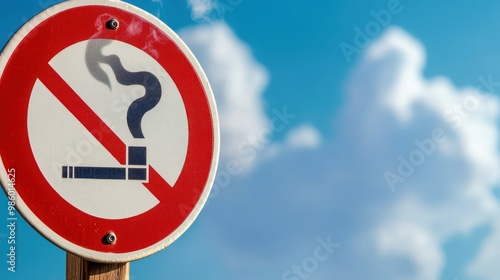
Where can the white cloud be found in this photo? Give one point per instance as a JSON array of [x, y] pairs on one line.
[[305, 136], [418, 243], [485, 265], [238, 82], [200, 9], [395, 108], [339, 187]]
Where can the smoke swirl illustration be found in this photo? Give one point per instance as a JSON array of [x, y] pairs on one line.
[[94, 58]]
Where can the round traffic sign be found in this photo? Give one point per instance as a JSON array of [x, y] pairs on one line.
[[110, 127]]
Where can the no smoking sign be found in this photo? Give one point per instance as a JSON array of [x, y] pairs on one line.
[[111, 126]]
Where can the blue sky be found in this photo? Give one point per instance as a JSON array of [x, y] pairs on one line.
[[352, 125]]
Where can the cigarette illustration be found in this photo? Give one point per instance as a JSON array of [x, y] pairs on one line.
[[136, 169]]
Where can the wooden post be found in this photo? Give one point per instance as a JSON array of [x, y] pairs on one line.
[[78, 268]]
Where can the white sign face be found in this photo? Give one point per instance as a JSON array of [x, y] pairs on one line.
[[113, 131], [165, 130]]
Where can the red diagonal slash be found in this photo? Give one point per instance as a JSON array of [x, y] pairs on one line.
[[101, 131]]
